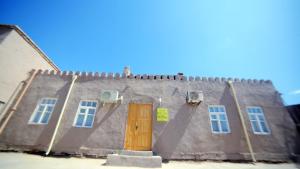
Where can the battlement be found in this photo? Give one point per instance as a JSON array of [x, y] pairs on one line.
[[118, 76]]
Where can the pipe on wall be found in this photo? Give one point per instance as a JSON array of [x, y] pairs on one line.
[[19, 97], [74, 77], [242, 121]]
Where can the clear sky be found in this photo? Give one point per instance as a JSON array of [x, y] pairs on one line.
[[246, 39]]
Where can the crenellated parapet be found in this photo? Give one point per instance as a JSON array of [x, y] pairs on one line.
[[118, 76]]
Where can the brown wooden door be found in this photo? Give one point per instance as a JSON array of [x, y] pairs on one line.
[[139, 127]]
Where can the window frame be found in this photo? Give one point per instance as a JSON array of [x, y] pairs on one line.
[[218, 119], [39, 103], [258, 121], [86, 113]]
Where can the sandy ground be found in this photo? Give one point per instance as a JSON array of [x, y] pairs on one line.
[[22, 161]]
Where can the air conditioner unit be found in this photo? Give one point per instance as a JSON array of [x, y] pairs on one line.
[[109, 96], [194, 97]]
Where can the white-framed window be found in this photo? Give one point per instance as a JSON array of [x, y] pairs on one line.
[[257, 120], [85, 114], [218, 119], [43, 111]]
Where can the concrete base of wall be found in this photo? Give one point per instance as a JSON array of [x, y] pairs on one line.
[[221, 156], [103, 153], [134, 159]]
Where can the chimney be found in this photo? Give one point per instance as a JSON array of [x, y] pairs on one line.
[[127, 71]]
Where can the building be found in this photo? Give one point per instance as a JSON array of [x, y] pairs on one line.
[[99, 114], [18, 55], [294, 111]]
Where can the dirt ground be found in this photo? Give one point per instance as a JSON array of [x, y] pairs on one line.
[[22, 161]]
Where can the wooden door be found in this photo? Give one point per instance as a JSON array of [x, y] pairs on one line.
[[139, 127]]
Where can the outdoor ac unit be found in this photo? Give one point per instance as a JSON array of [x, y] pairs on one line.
[[109, 96], [194, 97]]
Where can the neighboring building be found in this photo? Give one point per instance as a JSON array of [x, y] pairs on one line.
[[18, 55], [294, 111], [98, 114]]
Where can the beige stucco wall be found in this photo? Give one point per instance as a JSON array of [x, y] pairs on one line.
[[187, 134], [17, 58]]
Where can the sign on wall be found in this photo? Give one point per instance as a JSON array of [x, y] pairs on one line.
[[162, 114]]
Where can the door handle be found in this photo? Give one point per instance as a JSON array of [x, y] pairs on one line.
[[136, 126]]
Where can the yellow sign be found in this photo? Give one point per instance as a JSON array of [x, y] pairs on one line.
[[162, 114]]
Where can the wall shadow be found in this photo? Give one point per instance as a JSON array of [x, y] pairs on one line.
[[76, 137], [291, 137], [233, 140], [45, 135], [172, 133], [4, 32]]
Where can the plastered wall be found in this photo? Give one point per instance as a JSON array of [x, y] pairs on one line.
[[17, 58], [187, 134]]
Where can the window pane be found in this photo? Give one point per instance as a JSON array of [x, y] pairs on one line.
[[249, 110], [264, 127], [255, 110], [216, 109], [89, 104], [258, 110], [222, 117], [252, 117], [82, 111], [49, 101], [89, 121], [215, 126], [41, 108], [213, 117], [261, 117], [224, 126], [211, 109], [222, 109], [49, 108], [53, 101], [83, 103], [37, 117], [255, 126], [91, 111], [46, 117], [80, 119], [94, 104]]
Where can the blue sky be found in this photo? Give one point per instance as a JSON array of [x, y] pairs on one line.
[[246, 39]]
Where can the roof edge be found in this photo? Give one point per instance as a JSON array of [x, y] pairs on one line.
[[31, 42], [117, 76]]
